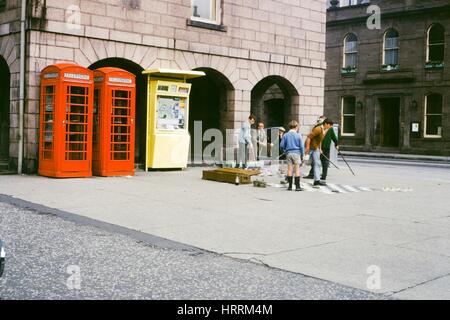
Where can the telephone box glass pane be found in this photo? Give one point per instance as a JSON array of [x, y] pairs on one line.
[[121, 125], [76, 123], [47, 133], [171, 113], [96, 133]]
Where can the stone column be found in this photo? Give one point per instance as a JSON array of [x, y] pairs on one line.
[[405, 121], [369, 112]]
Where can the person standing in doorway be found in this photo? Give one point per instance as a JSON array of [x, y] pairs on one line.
[[330, 136], [261, 141], [245, 142], [292, 145]]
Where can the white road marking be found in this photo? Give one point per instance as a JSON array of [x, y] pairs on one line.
[[332, 188], [307, 186], [338, 188], [325, 189], [350, 188]]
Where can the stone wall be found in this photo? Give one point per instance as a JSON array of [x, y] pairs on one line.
[[287, 32], [283, 39]]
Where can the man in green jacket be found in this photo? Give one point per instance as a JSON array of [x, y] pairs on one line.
[[330, 135]]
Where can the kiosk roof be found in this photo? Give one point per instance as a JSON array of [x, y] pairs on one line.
[[172, 73]]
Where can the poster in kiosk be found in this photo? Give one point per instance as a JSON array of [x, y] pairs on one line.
[[65, 146], [168, 137], [114, 122]]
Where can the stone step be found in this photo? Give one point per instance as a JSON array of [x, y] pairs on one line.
[[7, 172], [4, 165]]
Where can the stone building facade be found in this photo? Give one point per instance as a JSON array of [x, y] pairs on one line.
[[252, 51], [388, 75]]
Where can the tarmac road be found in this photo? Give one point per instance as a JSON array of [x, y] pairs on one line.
[[42, 249]]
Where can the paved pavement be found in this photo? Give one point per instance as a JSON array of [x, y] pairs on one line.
[[400, 229], [397, 156], [42, 249]]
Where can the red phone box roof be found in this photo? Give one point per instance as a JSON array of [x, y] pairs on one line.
[[114, 76], [68, 72]]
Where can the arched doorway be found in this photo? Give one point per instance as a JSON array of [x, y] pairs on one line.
[[211, 107], [141, 100], [275, 101], [5, 77]]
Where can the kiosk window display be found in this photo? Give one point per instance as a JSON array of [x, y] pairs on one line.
[[171, 113], [65, 147], [114, 122], [168, 137]]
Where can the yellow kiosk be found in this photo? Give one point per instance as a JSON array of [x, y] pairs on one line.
[[168, 137]]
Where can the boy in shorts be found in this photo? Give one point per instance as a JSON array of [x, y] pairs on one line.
[[292, 145]]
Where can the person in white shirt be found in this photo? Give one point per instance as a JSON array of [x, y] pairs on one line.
[[245, 142]]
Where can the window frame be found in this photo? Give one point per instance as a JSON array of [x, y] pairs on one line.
[[428, 42], [345, 53], [425, 114], [343, 115], [218, 13], [391, 49]]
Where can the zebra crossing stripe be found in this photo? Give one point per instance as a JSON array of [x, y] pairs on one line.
[[337, 188], [307, 187], [326, 189], [330, 188], [365, 189], [350, 188], [310, 187]]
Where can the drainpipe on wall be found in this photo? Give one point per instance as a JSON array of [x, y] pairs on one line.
[[21, 85]]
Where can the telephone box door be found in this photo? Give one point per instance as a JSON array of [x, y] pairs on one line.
[[122, 132], [77, 127]]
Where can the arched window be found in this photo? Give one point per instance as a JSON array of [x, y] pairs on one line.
[[433, 115], [350, 52], [348, 119], [391, 49], [436, 44]]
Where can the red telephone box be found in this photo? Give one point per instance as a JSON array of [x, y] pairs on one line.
[[65, 148], [114, 117]]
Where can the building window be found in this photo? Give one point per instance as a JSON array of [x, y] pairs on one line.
[[391, 49], [2, 5], [435, 46], [350, 54], [433, 116], [346, 3], [206, 10], [132, 4], [348, 120]]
